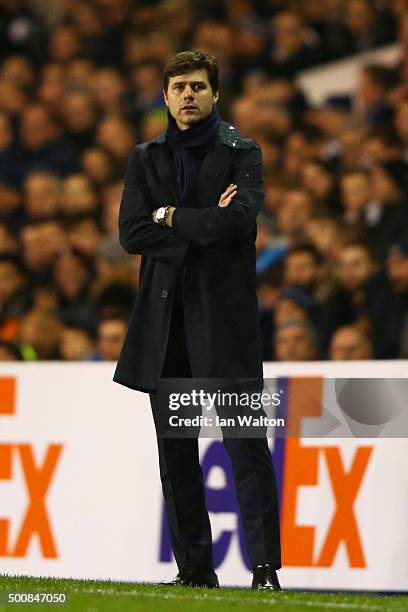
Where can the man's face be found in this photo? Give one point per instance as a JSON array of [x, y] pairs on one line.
[[288, 32], [286, 310], [293, 343], [348, 344], [110, 339], [37, 129], [42, 195], [190, 98], [294, 211], [355, 191], [75, 344], [77, 194], [300, 270], [354, 267], [317, 180]]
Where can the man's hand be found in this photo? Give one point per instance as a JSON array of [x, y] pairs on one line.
[[169, 216], [228, 195]]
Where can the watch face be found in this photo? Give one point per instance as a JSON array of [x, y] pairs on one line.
[[161, 213]]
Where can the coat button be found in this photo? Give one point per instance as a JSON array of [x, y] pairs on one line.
[[164, 293]]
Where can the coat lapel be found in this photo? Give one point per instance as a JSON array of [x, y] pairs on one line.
[[165, 171], [212, 173]]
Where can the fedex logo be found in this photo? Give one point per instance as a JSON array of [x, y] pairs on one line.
[[296, 466], [37, 480]]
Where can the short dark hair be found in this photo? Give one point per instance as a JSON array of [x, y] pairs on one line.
[[187, 61]]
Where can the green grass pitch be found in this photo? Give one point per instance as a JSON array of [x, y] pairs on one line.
[[107, 596]]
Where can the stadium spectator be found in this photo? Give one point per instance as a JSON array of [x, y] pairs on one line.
[[64, 44], [386, 217], [319, 181], [99, 165], [39, 335], [295, 341], [41, 194], [302, 268], [78, 88], [292, 304], [381, 145], [117, 136], [20, 70], [109, 89], [350, 343], [295, 209], [42, 241], [375, 82], [80, 117], [84, 234], [111, 334], [42, 144], [367, 25], [356, 194], [44, 296], [326, 235], [73, 274], [387, 303], [52, 86], [294, 46], [76, 343], [78, 195], [146, 81], [356, 265]]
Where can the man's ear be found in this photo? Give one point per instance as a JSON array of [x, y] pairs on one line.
[[215, 97], [165, 98]]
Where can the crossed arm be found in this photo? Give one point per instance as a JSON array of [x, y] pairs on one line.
[[138, 234], [234, 217], [225, 200]]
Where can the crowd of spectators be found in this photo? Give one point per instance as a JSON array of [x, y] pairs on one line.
[[81, 85]]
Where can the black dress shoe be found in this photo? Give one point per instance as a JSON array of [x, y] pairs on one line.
[[265, 578], [194, 577]]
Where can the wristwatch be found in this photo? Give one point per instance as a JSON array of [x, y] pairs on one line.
[[161, 214]]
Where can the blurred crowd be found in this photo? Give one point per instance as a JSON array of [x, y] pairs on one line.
[[81, 84]]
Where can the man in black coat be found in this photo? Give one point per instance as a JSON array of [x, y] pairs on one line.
[[189, 206]]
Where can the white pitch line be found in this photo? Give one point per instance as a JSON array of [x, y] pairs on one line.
[[220, 598]]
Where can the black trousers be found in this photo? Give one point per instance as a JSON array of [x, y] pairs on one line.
[[183, 486]]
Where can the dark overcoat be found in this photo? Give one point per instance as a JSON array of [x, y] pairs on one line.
[[213, 247]]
